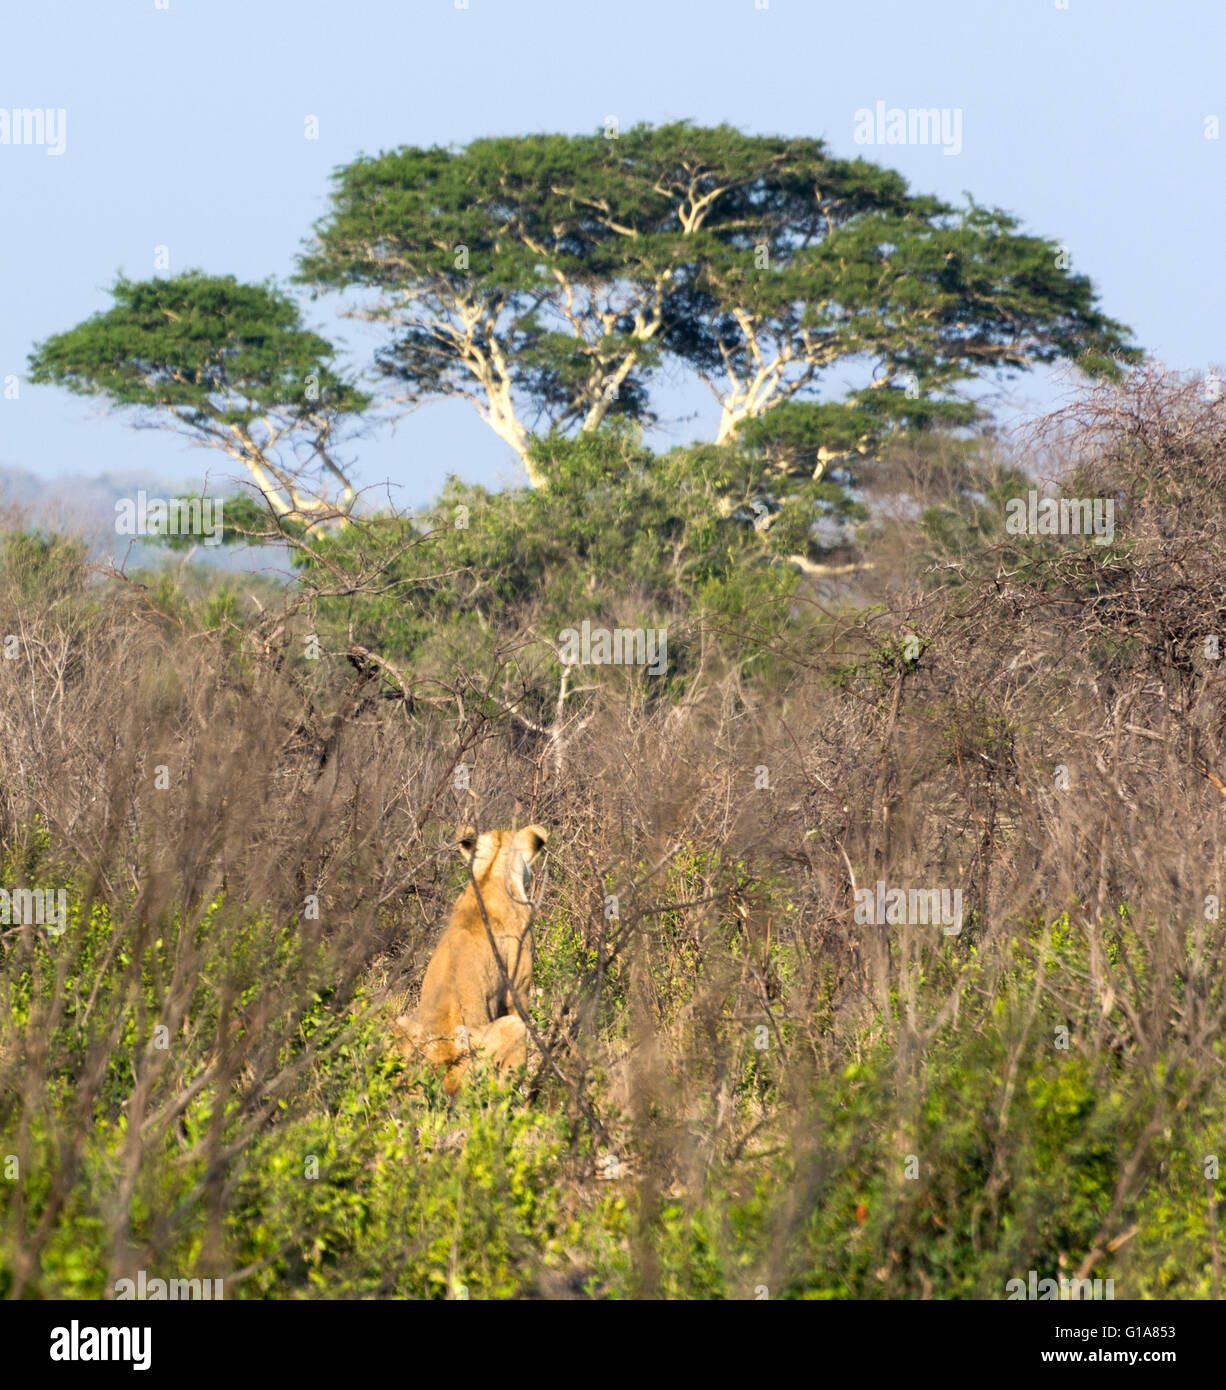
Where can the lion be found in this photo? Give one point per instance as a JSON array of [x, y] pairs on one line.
[[471, 1002]]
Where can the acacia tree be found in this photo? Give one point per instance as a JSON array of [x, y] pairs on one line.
[[546, 278], [536, 276], [496, 289], [227, 364]]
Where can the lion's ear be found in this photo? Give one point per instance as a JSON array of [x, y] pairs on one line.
[[466, 839], [533, 839]]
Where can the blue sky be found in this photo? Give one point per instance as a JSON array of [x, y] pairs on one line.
[[185, 129]]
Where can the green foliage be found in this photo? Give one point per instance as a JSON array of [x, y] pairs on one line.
[[889, 1173], [198, 1074], [207, 348], [44, 569], [361, 1203], [501, 263], [239, 520], [620, 537], [229, 364]]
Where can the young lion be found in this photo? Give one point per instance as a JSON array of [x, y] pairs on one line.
[[466, 1006]]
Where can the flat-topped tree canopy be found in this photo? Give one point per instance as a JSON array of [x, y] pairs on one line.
[[228, 363], [547, 278]]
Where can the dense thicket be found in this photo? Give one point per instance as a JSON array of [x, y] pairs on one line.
[[248, 793]]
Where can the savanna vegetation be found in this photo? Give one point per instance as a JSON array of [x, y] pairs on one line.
[[248, 788]]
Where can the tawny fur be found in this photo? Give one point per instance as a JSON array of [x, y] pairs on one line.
[[466, 1007]]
